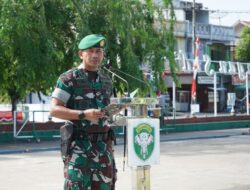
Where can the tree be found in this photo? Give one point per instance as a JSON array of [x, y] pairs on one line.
[[33, 48], [243, 49], [136, 33], [39, 40]]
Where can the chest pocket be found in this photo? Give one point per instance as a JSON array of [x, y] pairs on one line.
[[83, 97]]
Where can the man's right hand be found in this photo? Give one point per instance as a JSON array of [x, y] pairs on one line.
[[93, 114]]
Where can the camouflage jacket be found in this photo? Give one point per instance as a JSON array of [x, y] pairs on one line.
[[78, 92]]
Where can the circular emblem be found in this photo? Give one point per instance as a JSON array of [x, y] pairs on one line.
[[144, 141]]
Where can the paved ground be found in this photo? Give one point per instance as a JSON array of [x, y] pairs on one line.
[[189, 161]]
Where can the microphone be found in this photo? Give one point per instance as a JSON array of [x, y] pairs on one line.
[[107, 67]]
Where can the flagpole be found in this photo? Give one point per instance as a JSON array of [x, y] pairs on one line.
[[174, 99], [195, 71], [247, 94], [215, 94], [193, 29]]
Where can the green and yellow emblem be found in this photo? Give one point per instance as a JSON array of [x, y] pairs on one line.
[[102, 43], [144, 140]]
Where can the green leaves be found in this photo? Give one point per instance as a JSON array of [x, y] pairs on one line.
[[33, 45], [243, 49], [130, 27], [39, 40]]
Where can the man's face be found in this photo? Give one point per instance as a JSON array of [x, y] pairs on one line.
[[92, 57]]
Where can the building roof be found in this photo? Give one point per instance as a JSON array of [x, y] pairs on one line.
[[244, 23]]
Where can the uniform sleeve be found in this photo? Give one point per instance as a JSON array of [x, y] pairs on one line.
[[63, 90]]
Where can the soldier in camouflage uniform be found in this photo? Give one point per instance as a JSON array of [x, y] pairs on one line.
[[79, 95]]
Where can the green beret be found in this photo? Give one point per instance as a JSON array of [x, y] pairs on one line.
[[92, 40]]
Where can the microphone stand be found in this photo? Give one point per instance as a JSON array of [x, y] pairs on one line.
[[126, 114], [105, 68]]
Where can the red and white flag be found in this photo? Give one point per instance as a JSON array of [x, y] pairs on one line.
[[195, 69]]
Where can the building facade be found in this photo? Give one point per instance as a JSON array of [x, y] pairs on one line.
[[216, 41]]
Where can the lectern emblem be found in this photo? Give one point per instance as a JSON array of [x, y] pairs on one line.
[[144, 140]]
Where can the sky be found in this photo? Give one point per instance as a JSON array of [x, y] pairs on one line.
[[227, 5]]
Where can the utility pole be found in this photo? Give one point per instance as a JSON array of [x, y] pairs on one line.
[[193, 29]]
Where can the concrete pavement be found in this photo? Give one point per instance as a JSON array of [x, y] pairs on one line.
[[212, 160]]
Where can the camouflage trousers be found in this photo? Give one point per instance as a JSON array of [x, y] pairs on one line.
[[89, 166]]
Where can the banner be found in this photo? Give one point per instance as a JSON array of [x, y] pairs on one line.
[[195, 70]]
